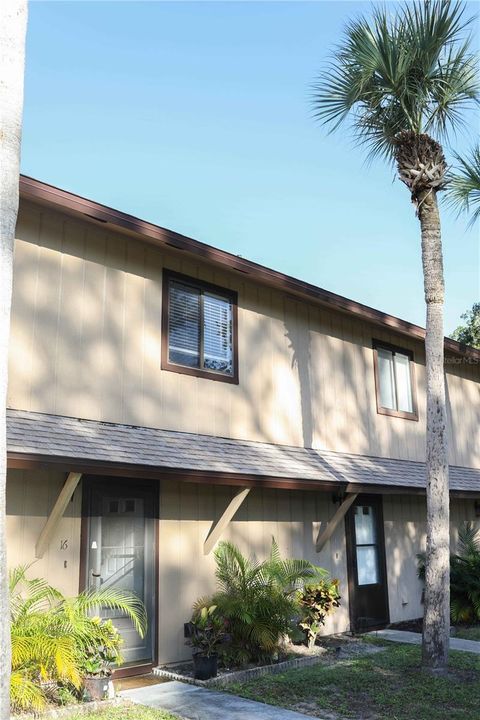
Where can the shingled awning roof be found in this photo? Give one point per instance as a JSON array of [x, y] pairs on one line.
[[43, 436]]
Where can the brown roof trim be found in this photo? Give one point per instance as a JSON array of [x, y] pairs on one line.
[[30, 461], [42, 192]]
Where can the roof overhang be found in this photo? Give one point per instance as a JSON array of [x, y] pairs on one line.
[[43, 441], [147, 472]]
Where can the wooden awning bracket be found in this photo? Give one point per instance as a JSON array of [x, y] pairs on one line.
[[325, 535], [56, 513], [218, 527]]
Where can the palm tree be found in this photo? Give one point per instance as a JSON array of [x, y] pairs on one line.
[[258, 598], [13, 23], [53, 636], [463, 191], [404, 79]]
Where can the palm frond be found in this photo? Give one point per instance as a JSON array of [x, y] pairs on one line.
[[411, 70], [463, 191], [112, 599], [24, 693], [258, 598], [53, 635], [469, 540], [28, 596], [464, 575]]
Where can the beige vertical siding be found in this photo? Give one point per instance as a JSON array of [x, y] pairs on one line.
[[293, 518], [185, 573], [405, 537], [187, 512], [30, 498], [86, 342]]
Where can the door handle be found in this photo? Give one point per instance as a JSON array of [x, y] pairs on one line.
[[94, 574]]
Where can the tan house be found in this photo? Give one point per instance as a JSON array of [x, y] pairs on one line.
[[165, 394]]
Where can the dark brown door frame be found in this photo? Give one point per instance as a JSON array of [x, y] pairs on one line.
[[152, 485], [377, 502]]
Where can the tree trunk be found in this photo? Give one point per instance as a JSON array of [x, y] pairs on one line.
[[13, 21], [436, 626]]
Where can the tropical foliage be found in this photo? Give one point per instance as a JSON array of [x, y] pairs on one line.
[[403, 77], [469, 334], [316, 602], [207, 630], [464, 576], [258, 599], [406, 71], [463, 192], [57, 640]]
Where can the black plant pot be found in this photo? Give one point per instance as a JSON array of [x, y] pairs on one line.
[[97, 688], [205, 667]]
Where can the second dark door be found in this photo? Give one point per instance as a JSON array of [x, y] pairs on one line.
[[367, 577]]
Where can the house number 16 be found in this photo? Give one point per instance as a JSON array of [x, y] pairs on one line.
[[63, 544]]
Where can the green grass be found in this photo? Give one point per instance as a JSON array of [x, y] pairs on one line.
[[388, 685], [123, 712], [470, 633]]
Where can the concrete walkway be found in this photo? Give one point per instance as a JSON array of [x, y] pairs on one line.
[[412, 638], [196, 703]]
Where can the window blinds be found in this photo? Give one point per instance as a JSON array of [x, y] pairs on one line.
[[199, 329]]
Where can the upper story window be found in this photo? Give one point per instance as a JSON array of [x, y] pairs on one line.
[[395, 381], [199, 328]]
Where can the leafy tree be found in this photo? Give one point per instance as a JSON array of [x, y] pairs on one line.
[[469, 334], [404, 78], [13, 23]]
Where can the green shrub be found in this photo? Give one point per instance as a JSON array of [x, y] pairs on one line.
[[207, 630], [464, 576], [259, 600], [316, 602], [54, 637]]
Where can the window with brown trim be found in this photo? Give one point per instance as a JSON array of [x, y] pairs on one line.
[[199, 328], [395, 381]]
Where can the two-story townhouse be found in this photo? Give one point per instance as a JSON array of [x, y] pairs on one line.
[[164, 395]]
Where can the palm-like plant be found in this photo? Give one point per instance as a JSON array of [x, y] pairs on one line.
[[463, 191], [464, 575], [53, 636], [258, 598], [404, 80]]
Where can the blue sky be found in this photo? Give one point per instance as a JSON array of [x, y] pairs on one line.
[[196, 116]]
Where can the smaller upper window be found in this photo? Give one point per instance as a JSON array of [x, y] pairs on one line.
[[199, 328], [395, 381]]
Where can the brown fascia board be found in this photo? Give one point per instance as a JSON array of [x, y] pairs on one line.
[[41, 192], [89, 466], [31, 461]]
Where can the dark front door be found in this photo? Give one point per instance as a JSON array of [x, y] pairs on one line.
[[119, 552], [367, 581]]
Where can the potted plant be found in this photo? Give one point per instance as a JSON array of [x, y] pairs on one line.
[[316, 602], [102, 653], [206, 632]]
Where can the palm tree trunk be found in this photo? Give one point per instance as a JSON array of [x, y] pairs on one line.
[[436, 627], [13, 21]]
